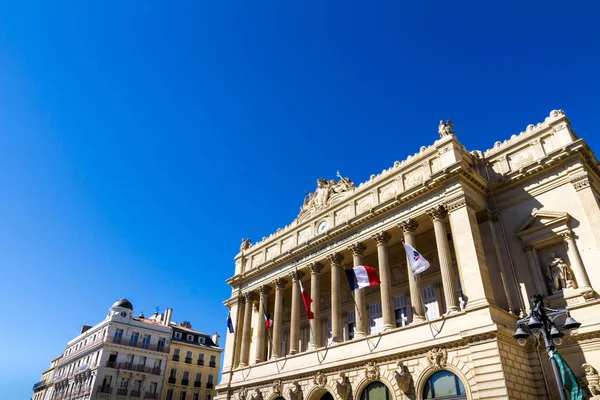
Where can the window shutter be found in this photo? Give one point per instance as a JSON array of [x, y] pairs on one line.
[[431, 303]]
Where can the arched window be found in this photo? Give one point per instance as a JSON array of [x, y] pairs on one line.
[[444, 385], [375, 391]]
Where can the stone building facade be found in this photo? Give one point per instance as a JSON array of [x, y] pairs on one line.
[[42, 390], [497, 227]]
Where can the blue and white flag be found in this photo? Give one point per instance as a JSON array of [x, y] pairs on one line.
[[229, 323], [418, 263]]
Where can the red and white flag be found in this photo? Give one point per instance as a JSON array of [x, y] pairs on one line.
[[307, 300]]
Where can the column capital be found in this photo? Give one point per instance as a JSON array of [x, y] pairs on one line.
[[408, 226], [315, 267], [438, 213], [357, 248], [296, 275], [335, 258], [249, 297], [382, 238], [568, 235], [264, 289], [280, 283]]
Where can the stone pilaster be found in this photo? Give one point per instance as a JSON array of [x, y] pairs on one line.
[[362, 328], [261, 329], [336, 304], [315, 293], [295, 317], [389, 321], [245, 347], [278, 317]]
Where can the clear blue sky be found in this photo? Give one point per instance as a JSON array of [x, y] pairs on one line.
[[141, 140]]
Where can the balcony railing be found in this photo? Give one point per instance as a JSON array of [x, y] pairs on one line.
[[185, 382], [175, 357], [138, 368], [111, 364], [105, 389], [142, 345], [134, 393], [188, 360], [212, 364], [200, 362], [68, 358], [197, 383], [39, 386], [122, 392], [210, 385], [150, 395], [172, 379]]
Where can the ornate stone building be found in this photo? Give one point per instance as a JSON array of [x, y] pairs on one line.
[[497, 226]]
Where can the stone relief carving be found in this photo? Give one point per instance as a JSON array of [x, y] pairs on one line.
[[277, 387], [325, 300], [560, 274], [580, 181], [296, 393], [343, 387], [372, 371], [257, 260], [413, 179], [521, 159], [246, 244], [341, 216], [593, 381], [303, 236], [243, 393], [258, 395], [437, 358], [327, 193], [403, 377], [388, 191], [286, 245], [272, 252], [363, 205], [446, 128], [320, 379]]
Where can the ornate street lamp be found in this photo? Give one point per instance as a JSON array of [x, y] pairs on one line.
[[541, 321]]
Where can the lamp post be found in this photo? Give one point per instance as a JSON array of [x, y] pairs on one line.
[[541, 321]]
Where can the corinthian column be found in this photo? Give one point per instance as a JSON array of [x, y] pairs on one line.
[[438, 215], [581, 277], [245, 350], [278, 317], [261, 328], [336, 305], [387, 307], [408, 228], [315, 293], [295, 319], [357, 250]]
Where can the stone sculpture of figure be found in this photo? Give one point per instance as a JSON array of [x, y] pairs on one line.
[[560, 274], [344, 387], [446, 128], [258, 396], [246, 244], [297, 393], [595, 391], [322, 193]]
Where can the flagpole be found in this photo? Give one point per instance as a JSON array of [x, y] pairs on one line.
[[235, 335]]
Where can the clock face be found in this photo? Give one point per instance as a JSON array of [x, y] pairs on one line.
[[123, 314], [322, 227]]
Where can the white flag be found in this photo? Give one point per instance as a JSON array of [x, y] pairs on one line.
[[418, 263]]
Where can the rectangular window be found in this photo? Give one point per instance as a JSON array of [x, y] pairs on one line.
[[153, 386], [161, 344], [195, 396], [402, 310], [430, 301], [129, 359], [198, 379], [157, 364], [169, 394], [304, 335], [142, 361], [284, 336], [182, 395], [137, 385], [177, 335], [375, 318], [173, 373], [134, 338], [350, 325], [190, 338], [186, 375], [146, 341], [124, 383], [118, 336], [329, 329], [201, 339], [208, 397], [107, 381], [200, 358], [461, 297]]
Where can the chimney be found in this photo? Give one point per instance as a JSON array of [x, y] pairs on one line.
[[85, 328], [215, 338], [168, 316]]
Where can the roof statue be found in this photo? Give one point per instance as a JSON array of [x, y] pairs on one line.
[[446, 129], [328, 192], [246, 244]]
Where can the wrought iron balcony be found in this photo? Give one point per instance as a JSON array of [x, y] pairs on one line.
[[200, 362], [150, 395], [188, 360], [197, 383], [212, 364], [210, 385], [135, 393], [175, 357], [122, 392], [172, 379], [105, 389], [185, 382]]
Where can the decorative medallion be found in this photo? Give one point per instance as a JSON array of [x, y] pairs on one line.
[[320, 379], [372, 371], [437, 357]]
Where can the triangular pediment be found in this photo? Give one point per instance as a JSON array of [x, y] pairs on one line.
[[543, 219]]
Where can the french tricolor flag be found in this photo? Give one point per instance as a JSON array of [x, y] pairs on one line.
[[268, 320], [362, 276]]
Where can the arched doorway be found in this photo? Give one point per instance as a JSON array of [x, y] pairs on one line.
[[376, 391], [444, 385], [326, 396]]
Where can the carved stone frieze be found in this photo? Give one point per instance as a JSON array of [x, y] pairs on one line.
[[456, 203], [296, 393], [437, 358], [372, 371], [343, 387], [320, 379], [328, 192], [403, 377]]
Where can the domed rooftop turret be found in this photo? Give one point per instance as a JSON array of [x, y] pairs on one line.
[[123, 303]]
